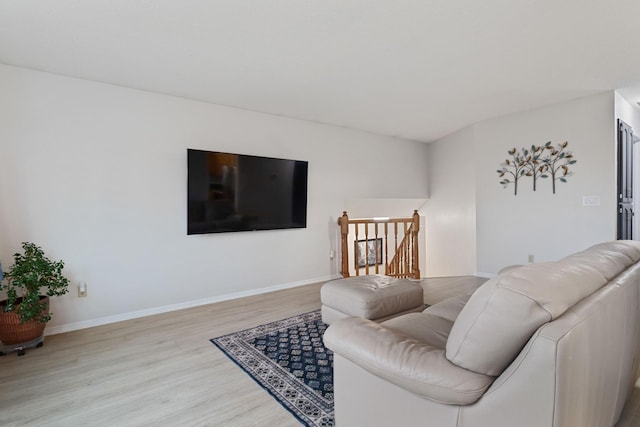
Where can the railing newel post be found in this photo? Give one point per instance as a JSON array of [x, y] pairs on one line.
[[343, 221], [415, 270]]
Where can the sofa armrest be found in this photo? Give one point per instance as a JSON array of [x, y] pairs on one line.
[[410, 364]]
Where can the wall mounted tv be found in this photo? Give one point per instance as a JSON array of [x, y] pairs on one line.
[[235, 192]]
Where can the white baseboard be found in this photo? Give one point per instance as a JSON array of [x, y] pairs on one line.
[[68, 327], [486, 275]]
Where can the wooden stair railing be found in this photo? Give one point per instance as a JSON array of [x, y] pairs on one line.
[[401, 260], [401, 263]]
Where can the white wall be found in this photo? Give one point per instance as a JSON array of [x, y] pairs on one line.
[[450, 212], [507, 228], [627, 112], [96, 175], [546, 225]]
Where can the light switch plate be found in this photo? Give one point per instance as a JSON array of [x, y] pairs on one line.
[[590, 200]]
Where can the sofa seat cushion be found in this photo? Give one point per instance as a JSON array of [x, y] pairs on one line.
[[409, 363], [433, 325], [424, 327], [504, 312], [450, 308]]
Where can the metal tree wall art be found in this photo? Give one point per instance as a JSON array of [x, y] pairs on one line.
[[539, 161], [557, 163], [512, 170], [533, 164]]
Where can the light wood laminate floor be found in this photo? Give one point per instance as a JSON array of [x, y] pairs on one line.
[[162, 370]]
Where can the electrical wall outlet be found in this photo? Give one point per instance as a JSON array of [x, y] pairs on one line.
[[531, 257], [82, 289]]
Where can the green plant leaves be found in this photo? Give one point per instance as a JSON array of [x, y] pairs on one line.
[[31, 274]]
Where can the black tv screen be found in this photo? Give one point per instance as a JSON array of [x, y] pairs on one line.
[[235, 192]]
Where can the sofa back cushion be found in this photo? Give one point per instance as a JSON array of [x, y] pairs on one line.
[[503, 313]]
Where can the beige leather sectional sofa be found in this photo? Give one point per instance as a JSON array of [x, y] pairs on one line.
[[549, 344]]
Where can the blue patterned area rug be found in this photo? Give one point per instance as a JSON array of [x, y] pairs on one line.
[[289, 360]]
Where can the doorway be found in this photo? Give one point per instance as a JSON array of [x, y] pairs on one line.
[[628, 183]]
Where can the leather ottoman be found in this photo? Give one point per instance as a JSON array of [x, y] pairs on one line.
[[373, 297]]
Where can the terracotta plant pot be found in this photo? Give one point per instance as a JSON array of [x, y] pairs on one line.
[[13, 332]]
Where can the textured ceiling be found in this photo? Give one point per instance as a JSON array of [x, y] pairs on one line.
[[413, 69]]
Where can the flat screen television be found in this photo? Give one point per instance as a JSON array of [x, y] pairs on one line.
[[229, 192]]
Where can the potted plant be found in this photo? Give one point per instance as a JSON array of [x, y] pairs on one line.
[[28, 284]]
